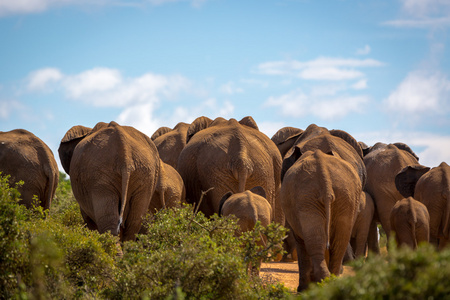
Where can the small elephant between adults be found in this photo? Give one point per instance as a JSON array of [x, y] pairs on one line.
[[432, 188], [248, 207], [410, 222]]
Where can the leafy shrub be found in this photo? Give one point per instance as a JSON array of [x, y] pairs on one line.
[[188, 255], [51, 255], [400, 274]]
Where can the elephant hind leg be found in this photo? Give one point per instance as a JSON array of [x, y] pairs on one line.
[[304, 265], [106, 211]]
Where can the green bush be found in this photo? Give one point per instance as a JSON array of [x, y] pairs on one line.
[[52, 255], [400, 274], [188, 255]]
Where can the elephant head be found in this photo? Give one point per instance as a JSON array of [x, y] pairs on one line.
[[68, 143], [407, 178], [159, 132], [199, 124], [285, 138]]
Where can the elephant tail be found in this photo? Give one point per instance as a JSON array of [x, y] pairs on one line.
[[125, 181], [413, 222], [328, 193]]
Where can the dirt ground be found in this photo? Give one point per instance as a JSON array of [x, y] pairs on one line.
[[287, 273]]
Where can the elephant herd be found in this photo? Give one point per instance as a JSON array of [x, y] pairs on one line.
[[327, 188]]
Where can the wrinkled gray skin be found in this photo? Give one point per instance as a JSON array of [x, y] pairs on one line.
[[170, 142], [383, 162], [228, 155], [432, 188], [113, 171], [410, 222], [26, 157], [249, 207], [170, 191], [320, 196]]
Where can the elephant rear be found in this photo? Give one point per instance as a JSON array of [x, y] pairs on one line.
[[320, 194]]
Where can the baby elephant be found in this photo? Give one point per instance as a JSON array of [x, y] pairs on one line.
[[411, 222], [249, 207]]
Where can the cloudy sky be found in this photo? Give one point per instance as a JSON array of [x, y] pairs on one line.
[[379, 69]]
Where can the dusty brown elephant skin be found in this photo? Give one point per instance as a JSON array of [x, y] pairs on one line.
[[249, 207], [383, 162], [113, 171], [170, 142], [26, 157], [170, 191], [320, 196], [361, 229], [432, 188], [228, 155], [410, 222]]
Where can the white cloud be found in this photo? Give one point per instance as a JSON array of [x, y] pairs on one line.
[[363, 51], [298, 104], [230, 88], [320, 73], [322, 68], [7, 107], [423, 14], [421, 92], [360, 85], [92, 81], [40, 79]]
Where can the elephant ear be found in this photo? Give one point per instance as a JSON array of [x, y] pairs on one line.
[[291, 157], [199, 124], [68, 143], [349, 139], [159, 132], [222, 201], [403, 146], [364, 148], [259, 190], [407, 178], [249, 121], [285, 138]]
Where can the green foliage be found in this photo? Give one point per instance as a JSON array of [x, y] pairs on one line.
[[183, 255], [400, 274], [186, 254]]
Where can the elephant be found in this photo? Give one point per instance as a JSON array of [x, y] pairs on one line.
[[169, 191], [312, 138], [170, 142], [26, 157], [315, 137], [383, 162], [432, 188], [113, 171], [362, 227], [410, 222], [249, 207], [320, 196], [227, 155]]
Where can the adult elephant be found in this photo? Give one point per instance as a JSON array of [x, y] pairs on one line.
[[383, 162], [170, 142], [292, 142], [314, 137], [320, 196], [228, 155], [432, 188], [26, 157], [113, 171]]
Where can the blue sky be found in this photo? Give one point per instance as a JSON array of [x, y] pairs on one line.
[[378, 69]]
